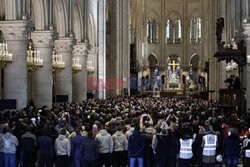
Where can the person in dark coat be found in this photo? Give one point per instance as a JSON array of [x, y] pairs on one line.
[[166, 149], [197, 149], [76, 142], [136, 146], [232, 148], [29, 144], [90, 151], [45, 144]]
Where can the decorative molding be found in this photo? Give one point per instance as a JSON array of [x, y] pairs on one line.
[[15, 30], [64, 45], [43, 39], [93, 51], [246, 31], [81, 49]]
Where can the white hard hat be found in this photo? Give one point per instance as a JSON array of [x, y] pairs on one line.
[[219, 158]]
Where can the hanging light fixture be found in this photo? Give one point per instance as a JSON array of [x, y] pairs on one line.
[[57, 62], [76, 66], [5, 56], [34, 62], [90, 67]]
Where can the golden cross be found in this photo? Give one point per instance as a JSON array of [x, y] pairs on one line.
[[173, 64]]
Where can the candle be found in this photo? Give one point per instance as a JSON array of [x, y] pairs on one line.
[[248, 58], [6, 47]]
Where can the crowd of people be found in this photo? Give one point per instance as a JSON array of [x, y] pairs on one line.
[[125, 131]]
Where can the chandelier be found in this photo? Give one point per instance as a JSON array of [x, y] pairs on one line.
[[76, 66], [57, 62], [90, 67], [231, 66], [5, 57], [34, 62]]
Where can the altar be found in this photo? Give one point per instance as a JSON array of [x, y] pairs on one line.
[[173, 79]]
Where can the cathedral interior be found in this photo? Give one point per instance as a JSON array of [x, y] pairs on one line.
[[55, 51]]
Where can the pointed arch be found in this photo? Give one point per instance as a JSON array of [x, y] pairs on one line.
[[92, 30], [38, 15], [78, 22], [61, 19], [2, 10]]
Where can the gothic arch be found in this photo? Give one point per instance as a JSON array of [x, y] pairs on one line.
[[92, 30], [61, 16], [195, 61], [2, 10], [39, 14], [173, 15], [153, 15], [78, 22], [154, 55], [194, 14]]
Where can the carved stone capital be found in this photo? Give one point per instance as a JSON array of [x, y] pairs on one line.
[[246, 30], [64, 45], [81, 49], [43, 39], [15, 30], [93, 51]]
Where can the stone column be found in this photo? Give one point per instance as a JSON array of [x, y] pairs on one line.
[[42, 79], [246, 71], [64, 47], [80, 78], [92, 56], [102, 47], [15, 74]]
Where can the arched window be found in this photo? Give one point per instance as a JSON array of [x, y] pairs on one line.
[[155, 32], [192, 31], [195, 30], [169, 32], [173, 31], [177, 31], [199, 29], [149, 30]]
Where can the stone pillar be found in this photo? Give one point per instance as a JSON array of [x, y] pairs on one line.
[[42, 79], [15, 74], [246, 71], [64, 47], [120, 44], [80, 78], [92, 56], [102, 47]]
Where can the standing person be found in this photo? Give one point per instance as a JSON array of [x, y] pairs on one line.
[[89, 151], [76, 143], [186, 152], [120, 144], [10, 145], [246, 147], [1, 146], [136, 146], [209, 144], [105, 143], [29, 144], [45, 144], [232, 148], [62, 148], [197, 149]]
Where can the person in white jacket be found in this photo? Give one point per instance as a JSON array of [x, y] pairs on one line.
[[63, 149], [10, 145], [120, 144], [105, 143]]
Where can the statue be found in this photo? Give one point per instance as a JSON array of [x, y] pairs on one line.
[[169, 71], [219, 29], [191, 74]]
